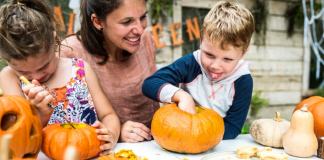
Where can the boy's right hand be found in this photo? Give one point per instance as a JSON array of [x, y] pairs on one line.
[[37, 95], [185, 101]]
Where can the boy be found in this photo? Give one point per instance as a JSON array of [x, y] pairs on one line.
[[215, 76]]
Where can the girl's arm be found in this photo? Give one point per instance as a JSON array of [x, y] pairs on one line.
[[110, 130], [9, 82], [36, 95]]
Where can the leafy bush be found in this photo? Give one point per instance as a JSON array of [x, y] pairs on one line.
[[257, 103]]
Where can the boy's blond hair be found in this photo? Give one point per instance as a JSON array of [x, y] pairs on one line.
[[228, 24]]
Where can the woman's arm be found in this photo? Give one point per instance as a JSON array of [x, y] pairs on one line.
[[106, 114]]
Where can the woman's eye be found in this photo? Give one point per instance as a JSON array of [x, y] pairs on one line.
[[126, 22], [143, 17]]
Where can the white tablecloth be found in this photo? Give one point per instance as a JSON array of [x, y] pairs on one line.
[[152, 151]]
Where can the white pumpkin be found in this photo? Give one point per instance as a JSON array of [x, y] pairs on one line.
[[270, 132]]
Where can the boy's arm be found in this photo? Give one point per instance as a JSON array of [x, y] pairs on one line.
[[237, 113], [110, 130], [161, 86]]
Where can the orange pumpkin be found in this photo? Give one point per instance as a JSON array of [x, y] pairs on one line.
[[57, 137], [315, 105], [19, 118], [180, 131]]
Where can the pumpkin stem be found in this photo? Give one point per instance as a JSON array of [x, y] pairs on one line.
[[278, 117], [5, 143], [1, 92], [304, 108]]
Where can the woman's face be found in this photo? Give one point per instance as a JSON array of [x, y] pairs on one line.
[[124, 26]]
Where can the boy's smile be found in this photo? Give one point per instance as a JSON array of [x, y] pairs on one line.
[[217, 62]]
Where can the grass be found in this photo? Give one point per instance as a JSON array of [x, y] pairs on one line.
[[246, 129]]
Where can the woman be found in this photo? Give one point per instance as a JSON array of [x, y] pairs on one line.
[[114, 40]]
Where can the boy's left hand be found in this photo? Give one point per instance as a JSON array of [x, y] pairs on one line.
[[104, 135]]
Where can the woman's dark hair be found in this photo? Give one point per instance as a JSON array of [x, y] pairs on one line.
[[92, 38], [26, 29]]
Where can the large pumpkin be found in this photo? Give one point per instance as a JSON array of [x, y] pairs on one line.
[[19, 118], [57, 137], [180, 131], [315, 105]]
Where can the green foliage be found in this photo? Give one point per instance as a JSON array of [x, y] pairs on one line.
[[159, 8], [295, 15], [246, 129], [3, 64], [257, 103], [319, 92], [260, 14]]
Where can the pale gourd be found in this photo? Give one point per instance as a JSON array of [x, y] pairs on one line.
[[300, 139], [269, 132]]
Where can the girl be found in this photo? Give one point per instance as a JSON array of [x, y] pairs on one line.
[[30, 46]]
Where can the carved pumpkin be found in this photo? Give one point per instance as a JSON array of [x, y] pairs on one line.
[[315, 105], [19, 118], [269, 132], [57, 137], [180, 131]]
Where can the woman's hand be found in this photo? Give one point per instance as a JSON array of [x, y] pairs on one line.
[[104, 135], [133, 132]]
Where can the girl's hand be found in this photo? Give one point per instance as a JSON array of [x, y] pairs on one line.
[[104, 135], [37, 95], [133, 132]]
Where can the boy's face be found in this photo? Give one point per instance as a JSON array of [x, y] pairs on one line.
[[219, 63]]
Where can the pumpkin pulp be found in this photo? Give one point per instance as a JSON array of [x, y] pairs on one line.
[[76, 125], [199, 109]]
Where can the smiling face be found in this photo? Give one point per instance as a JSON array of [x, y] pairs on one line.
[[217, 62], [39, 67], [125, 25]]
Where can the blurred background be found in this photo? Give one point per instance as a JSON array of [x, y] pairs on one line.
[[286, 52]]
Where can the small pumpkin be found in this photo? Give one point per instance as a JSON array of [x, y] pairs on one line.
[[57, 137], [315, 105], [19, 118], [269, 132], [180, 131], [300, 139]]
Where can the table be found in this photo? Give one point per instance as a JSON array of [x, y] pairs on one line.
[[152, 151]]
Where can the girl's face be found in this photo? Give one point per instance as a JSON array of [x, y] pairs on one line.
[[217, 62], [39, 67], [124, 26]]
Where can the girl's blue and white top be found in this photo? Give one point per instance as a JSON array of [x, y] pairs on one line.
[[230, 96]]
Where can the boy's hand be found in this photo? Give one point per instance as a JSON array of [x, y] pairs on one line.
[[133, 132], [104, 135], [185, 101], [37, 95]]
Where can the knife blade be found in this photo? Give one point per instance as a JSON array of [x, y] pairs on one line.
[[26, 81]]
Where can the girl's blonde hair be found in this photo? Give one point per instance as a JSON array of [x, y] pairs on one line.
[[26, 29], [228, 24]]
